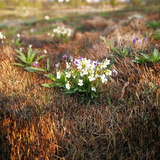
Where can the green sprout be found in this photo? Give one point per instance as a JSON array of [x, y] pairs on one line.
[[28, 60]]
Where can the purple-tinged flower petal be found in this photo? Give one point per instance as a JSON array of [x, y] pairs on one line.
[[76, 62], [145, 39], [139, 41], [35, 64], [80, 58], [64, 56], [71, 58], [95, 63], [115, 72], [57, 65], [134, 40]]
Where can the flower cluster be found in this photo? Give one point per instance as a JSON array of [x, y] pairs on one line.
[[62, 34], [82, 75], [2, 37], [140, 43]]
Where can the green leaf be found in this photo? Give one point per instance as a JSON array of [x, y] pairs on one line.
[[48, 67], [23, 59], [69, 91], [154, 87], [48, 85], [51, 76], [145, 56], [29, 54], [155, 53], [76, 89], [40, 57], [33, 69], [33, 56], [22, 56], [18, 42], [17, 64]]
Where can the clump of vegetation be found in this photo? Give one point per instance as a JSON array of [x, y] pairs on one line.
[[30, 59], [62, 34], [157, 35], [153, 24], [153, 58]]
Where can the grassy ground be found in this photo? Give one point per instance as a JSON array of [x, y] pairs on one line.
[[44, 123]]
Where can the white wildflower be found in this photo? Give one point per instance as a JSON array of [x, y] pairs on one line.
[[108, 72], [46, 17], [45, 51], [68, 86], [91, 78], [93, 89], [67, 65], [80, 83], [68, 75], [18, 35], [58, 75], [103, 78]]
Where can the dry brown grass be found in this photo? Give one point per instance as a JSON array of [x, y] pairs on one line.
[[38, 123]]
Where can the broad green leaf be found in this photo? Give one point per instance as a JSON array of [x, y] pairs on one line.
[[145, 56], [33, 69], [51, 76]]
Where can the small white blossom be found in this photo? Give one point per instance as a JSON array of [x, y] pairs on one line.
[[67, 65], [68, 75], [91, 78], [108, 72], [103, 78], [68, 86], [46, 17], [31, 30], [58, 75], [80, 83], [45, 51], [18, 35], [93, 89]]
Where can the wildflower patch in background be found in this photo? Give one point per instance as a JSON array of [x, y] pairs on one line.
[[62, 34]]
